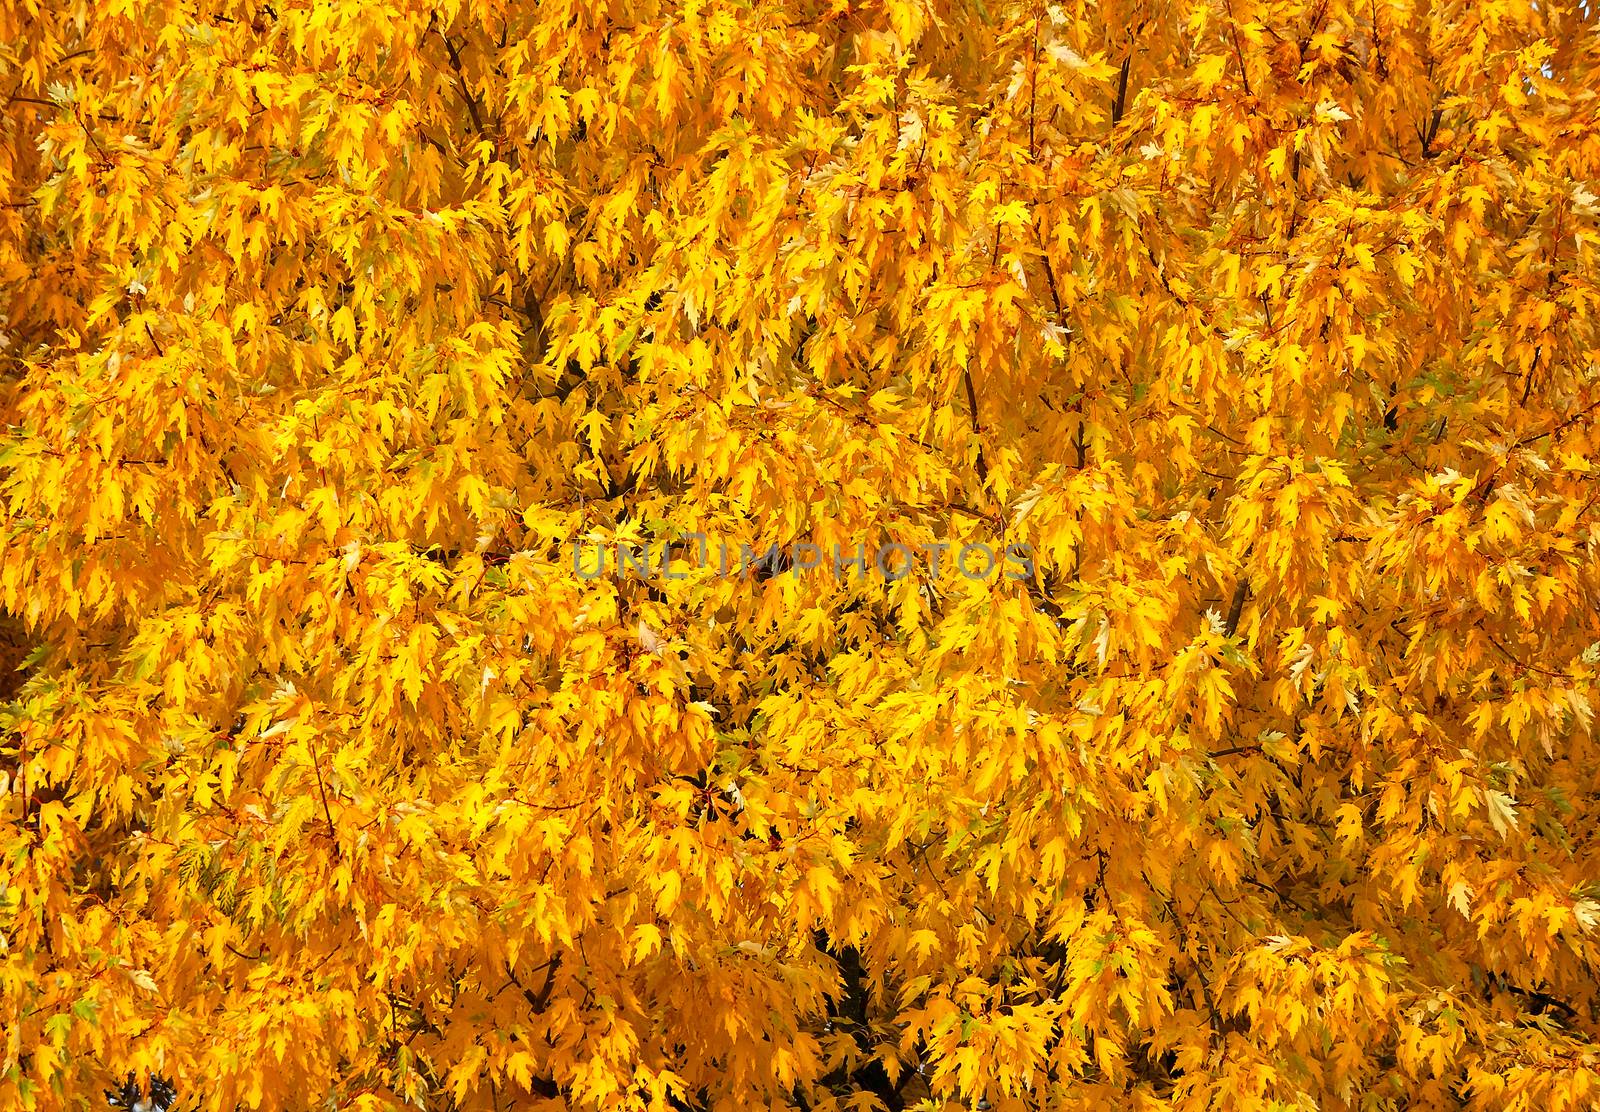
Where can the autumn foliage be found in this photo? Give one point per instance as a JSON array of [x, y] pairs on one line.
[[1269, 327]]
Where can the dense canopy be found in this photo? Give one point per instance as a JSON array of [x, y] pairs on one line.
[[1254, 340]]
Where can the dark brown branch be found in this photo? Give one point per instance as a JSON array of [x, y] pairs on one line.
[[1122, 91], [1584, 412], [1233, 30], [322, 788], [473, 108], [977, 426], [1236, 606]]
